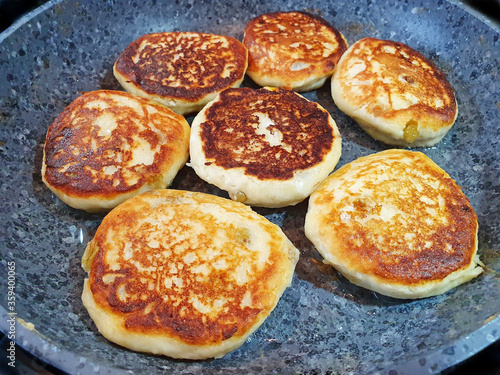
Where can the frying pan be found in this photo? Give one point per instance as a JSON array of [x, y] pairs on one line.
[[322, 323]]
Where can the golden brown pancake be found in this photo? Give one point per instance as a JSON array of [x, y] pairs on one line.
[[265, 147], [396, 223], [184, 274], [395, 94], [292, 50], [107, 146], [181, 70]]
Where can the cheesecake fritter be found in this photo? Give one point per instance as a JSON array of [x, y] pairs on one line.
[[396, 95], [181, 70], [292, 50], [267, 147], [107, 146], [396, 223], [184, 274]]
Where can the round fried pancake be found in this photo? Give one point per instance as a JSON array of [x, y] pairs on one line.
[[265, 147], [108, 146], [292, 50], [395, 94], [185, 274], [181, 70], [396, 223]]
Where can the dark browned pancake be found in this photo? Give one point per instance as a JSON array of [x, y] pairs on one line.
[[396, 223], [266, 147], [396, 94], [107, 146], [184, 274], [292, 50], [181, 70]]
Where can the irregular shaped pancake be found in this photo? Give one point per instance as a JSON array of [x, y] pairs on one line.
[[185, 274], [292, 50], [181, 70], [108, 146], [266, 147], [396, 223], [395, 94]]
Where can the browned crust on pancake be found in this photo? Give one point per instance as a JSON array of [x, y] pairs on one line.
[[260, 42], [419, 77], [229, 138], [75, 168], [197, 73], [166, 311], [389, 257]]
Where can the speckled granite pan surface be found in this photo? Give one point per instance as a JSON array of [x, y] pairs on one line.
[[322, 324]]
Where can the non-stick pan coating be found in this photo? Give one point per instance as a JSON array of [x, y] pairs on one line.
[[322, 323]]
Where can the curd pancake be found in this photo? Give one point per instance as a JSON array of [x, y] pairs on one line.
[[395, 94], [181, 70], [108, 146], [265, 147], [396, 223], [292, 50], [184, 274]]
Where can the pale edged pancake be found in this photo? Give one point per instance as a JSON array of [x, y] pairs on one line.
[[397, 95], [292, 50], [394, 222], [267, 147], [184, 274], [107, 146], [181, 70]]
